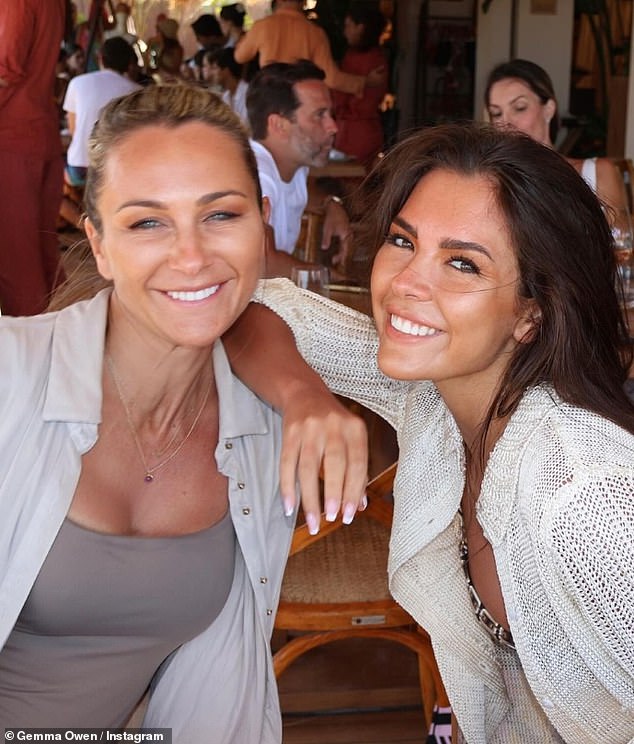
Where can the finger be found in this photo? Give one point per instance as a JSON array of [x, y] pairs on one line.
[[308, 478], [334, 469], [289, 458], [356, 479], [326, 238]]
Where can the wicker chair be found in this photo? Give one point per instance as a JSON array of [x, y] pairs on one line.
[[335, 587]]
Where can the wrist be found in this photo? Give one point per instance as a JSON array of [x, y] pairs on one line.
[[332, 198]]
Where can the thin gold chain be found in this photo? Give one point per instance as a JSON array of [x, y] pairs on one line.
[[149, 471]]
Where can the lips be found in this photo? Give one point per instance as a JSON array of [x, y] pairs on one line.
[[409, 328], [194, 296]]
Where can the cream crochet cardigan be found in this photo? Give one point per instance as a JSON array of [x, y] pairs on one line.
[[557, 506]]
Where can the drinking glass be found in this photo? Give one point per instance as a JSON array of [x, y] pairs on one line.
[[623, 239], [314, 277]]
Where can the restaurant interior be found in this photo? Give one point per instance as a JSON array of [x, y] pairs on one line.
[[352, 666]]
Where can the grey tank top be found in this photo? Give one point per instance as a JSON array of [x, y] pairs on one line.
[[103, 614]]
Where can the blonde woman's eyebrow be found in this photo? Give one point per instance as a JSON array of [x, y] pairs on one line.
[[204, 199]]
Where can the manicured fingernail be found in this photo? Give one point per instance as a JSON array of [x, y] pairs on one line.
[[313, 524], [364, 502], [348, 513], [331, 511], [289, 507]]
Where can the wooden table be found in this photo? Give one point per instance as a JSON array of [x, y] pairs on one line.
[[356, 298], [339, 169]]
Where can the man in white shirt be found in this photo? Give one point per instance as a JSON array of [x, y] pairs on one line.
[[87, 94], [290, 112]]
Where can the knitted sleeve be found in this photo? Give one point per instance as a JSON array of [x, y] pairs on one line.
[[592, 539], [340, 344]]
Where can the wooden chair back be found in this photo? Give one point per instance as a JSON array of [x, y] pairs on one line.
[[335, 587]]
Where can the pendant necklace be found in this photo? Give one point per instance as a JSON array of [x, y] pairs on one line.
[[149, 471]]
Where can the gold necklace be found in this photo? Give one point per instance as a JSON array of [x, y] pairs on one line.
[[149, 471]]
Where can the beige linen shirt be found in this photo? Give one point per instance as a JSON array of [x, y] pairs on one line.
[[219, 687], [557, 506]]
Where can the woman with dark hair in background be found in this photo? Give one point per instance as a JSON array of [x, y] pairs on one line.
[[520, 94], [359, 123], [498, 352], [231, 20]]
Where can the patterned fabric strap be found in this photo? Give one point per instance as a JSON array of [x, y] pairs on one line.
[[499, 634]]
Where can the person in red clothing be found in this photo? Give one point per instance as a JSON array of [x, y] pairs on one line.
[[288, 36], [31, 165], [360, 132]]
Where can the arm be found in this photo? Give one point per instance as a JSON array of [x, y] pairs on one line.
[[336, 224], [340, 345], [278, 263], [610, 186], [71, 119], [16, 31], [247, 47], [318, 430], [590, 545]]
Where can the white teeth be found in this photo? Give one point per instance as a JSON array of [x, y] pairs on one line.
[[200, 294], [411, 329]]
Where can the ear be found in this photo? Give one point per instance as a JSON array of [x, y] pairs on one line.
[[96, 245], [550, 109], [527, 324], [266, 209], [277, 125]]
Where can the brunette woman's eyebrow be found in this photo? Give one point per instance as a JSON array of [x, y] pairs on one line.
[[405, 225], [450, 244]]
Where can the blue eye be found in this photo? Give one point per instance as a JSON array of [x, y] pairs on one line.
[[400, 241], [221, 216], [465, 265], [145, 224]]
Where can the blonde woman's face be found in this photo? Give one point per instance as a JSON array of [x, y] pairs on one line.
[[182, 232], [513, 104]]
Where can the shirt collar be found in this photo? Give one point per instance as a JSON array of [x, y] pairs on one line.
[[241, 411], [74, 382], [74, 392]]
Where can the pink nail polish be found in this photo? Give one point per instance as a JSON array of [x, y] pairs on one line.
[[313, 524]]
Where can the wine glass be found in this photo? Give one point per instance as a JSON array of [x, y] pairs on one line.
[[314, 277], [623, 239]]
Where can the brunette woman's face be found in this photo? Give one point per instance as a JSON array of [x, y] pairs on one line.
[[512, 103], [182, 233], [444, 287]]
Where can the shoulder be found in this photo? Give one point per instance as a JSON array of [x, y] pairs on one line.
[[610, 185], [25, 350], [80, 81], [573, 461], [267, 169]]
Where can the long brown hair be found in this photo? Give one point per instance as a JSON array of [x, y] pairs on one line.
[[564, 250]]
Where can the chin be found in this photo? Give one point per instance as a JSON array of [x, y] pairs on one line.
[[396, 369]]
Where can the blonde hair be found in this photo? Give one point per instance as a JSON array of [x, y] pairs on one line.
[[157, 105]]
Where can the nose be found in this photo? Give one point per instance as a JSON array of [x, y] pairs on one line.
[[413, 281], [330, 125], [188, 254]]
